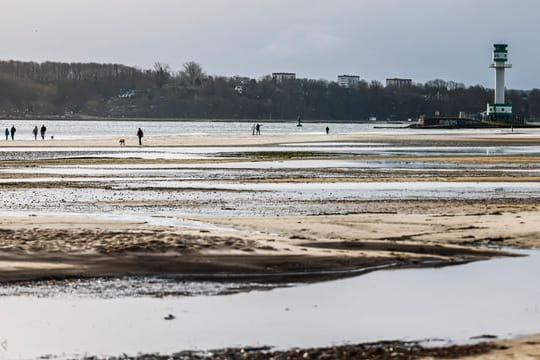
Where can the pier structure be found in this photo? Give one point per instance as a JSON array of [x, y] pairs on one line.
[[500, 109]]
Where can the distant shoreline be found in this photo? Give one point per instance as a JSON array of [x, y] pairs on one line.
[[143, 119]]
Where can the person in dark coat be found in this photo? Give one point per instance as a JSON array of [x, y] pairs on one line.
[[43, 130], [34, 132], [140, 135], [7, 134], [13, 130]]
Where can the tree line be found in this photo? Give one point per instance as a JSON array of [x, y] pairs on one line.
[[113, 90]]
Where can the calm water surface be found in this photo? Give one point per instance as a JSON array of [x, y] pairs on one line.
[[499, 297], [100, 129]]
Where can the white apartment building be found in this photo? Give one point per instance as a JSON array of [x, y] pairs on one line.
[[348, 81]]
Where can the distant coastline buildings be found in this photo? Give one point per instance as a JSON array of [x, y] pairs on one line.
[[283, 76], [348, 81], [398, 83]]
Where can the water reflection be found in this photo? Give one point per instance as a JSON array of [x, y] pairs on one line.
[[453, 303]]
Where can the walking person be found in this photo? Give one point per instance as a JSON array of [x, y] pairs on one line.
[[7, 134], [258, 129], [140, 135], [12, 132], [35, 131], [43, 130]]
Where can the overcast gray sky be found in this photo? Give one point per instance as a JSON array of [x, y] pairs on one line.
[[420, 39]]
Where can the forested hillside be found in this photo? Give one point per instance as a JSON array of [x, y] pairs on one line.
[[30, 89]]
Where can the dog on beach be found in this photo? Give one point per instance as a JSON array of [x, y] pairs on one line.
[[122, 142]]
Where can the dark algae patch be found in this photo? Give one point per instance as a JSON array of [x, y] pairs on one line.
[[371, 351]]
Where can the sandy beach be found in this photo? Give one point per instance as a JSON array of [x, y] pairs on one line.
[[278, 239], [41, 247]]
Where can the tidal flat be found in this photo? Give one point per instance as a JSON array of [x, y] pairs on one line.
[[200, 219]]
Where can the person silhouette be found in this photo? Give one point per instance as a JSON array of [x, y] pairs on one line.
[[140, 135], [12, 132], [43, 130]]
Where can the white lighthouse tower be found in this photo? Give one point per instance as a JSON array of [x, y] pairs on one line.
[[499, 109]]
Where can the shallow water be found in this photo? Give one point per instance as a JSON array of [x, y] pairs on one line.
[[172, 169], [456, 303], [98, 129], [187, 153]]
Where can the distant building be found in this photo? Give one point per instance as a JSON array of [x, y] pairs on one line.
[[348, 81], [398, 83], [282, 76]]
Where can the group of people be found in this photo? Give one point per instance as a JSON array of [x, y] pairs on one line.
[[42, 132], [256, 129], [11, 132]]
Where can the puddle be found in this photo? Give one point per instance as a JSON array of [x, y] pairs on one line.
[[156, 219], [260, 170], [334, 144], [456, 303], [366, 190], [197, 153]]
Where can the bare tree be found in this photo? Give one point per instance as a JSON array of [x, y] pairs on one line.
[[193, 73], [162, 74]]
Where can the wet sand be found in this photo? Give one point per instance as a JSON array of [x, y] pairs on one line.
[[269, 249], [362, 236], [522, 348], [417, 137], [286, 248], [429, 223]]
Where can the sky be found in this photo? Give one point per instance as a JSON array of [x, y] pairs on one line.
[[320, 39]]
